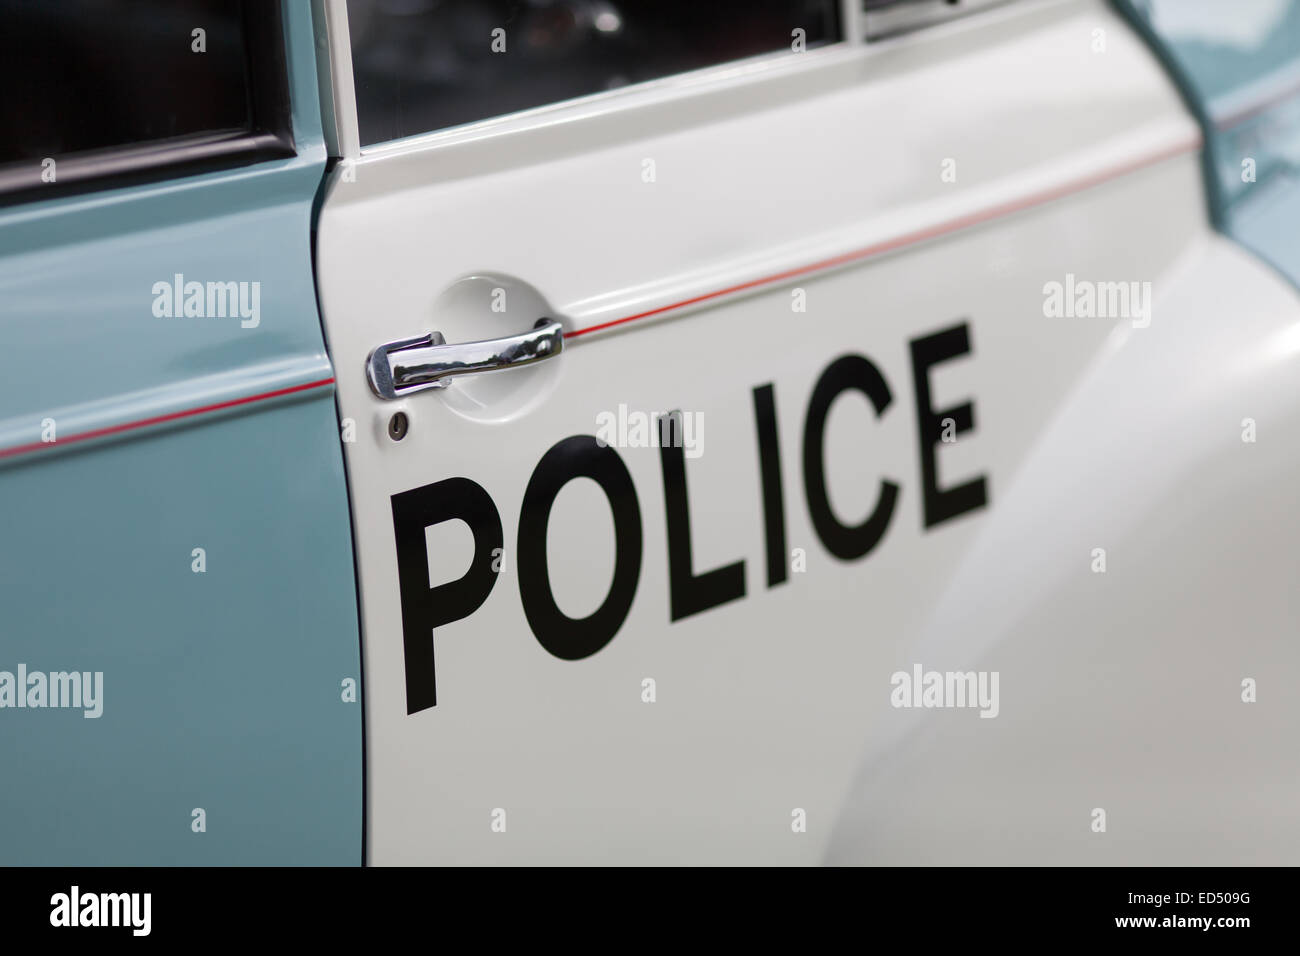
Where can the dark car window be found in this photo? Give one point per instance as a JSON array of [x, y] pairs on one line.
[[81, 75], [423, 65], [97, 88]]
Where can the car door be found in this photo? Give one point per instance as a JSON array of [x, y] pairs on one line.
[[179, 658], [770, 357]]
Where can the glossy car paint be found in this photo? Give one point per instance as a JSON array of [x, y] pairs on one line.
[[222, 689], [824, 173]]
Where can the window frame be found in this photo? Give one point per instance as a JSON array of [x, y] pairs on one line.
[[339, 105], [270, 135]]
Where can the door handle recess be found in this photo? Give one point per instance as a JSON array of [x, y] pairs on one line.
[[397, 369]]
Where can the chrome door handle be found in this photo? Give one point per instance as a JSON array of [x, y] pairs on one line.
[[399, 368]]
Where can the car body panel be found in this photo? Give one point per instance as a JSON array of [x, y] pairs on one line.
[[1128, 685], [222, 689], [1073, 155], [824, 261]]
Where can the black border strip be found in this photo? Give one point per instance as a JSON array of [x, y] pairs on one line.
[[270, 135]]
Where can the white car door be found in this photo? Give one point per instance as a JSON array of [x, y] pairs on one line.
[[835, 260]]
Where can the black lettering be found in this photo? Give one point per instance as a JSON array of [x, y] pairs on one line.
[[688, 593], [941, 504], [424, 609], [579, 456], [769, 468], [845, 542]]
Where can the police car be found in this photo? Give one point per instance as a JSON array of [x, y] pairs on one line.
[[613, 431]]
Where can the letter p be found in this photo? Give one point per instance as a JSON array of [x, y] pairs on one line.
[[426, 608]]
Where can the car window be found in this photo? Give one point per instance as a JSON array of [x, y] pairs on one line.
[[424, 65], [97, 88]]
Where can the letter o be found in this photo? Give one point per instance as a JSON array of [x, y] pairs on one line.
[[579, 456]]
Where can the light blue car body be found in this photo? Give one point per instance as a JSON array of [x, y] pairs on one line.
[[223, 690], [1245, 91]]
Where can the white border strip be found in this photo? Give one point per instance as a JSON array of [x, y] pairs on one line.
[[334, 69]]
